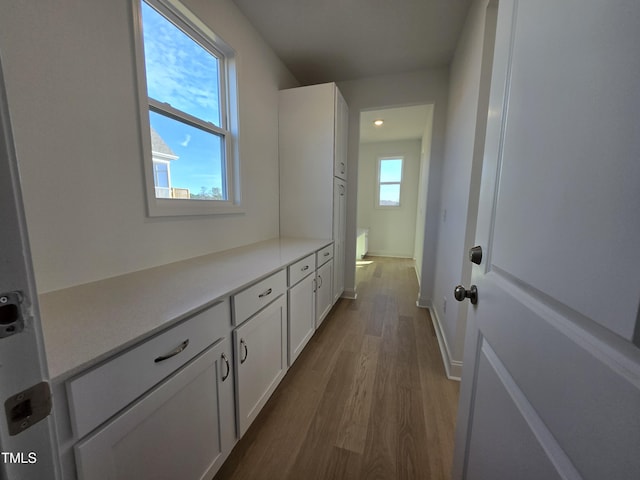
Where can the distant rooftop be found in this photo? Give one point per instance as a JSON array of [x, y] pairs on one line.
[[158, 145]]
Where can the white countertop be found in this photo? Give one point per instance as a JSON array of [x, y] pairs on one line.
[[88, 323]]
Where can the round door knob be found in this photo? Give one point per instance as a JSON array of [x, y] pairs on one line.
[[460, 293]]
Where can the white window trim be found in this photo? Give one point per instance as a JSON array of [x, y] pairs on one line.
[[378, 183], [158, 207]]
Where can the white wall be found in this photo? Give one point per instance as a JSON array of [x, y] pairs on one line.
[[423, 87], [423, 183], [69, 68], [391, 230], [466, 123]]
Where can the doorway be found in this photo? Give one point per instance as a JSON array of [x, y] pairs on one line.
[[394, 149]]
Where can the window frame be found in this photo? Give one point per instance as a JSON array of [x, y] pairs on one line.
[[379, 183], [200, 33]]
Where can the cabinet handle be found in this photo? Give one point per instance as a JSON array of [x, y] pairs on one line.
[[326, 254], [305, 268], [265, 293], [341, 167], [314, 285], [342, 190], [172, 353], [320, 278], [226, 362], [243, 344]]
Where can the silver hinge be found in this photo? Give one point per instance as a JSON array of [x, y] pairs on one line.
[[11, 317], [28, 407]]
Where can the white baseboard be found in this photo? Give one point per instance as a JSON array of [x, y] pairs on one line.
[[453, 368], [374, 253], [350, 294], [422, 303]]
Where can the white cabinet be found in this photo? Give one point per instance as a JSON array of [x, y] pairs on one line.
[[339, 229], [258, 295], [301, 305], [178, 430], [324, 292], [302, 315], [260, 359], [341, 132], [313, 144], [92, 396]]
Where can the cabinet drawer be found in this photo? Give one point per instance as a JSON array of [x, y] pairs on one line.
[[324, 255], [102, 392], [172, 432], [301, 269], [259, 295]]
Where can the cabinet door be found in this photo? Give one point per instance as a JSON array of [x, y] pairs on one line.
[[302, 315], [339, 234], [324, 292], [178, 430], [341, 135], [260, 360]]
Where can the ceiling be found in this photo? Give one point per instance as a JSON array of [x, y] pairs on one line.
[[333, 40], [402, 123]]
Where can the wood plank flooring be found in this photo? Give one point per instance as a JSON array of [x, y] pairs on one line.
[[366, 399]]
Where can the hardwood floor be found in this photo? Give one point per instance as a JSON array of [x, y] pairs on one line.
[[366, 399]]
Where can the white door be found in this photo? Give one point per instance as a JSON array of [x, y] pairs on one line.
[[551, 379], [339, 234], [27, 440], [324, 292], [260, 360], [302, 316]]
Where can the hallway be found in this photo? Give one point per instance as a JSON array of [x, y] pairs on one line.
[[367, 398]]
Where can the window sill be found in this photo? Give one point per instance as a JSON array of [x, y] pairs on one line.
[[176, 208]]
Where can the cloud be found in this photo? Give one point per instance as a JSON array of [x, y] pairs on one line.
[[179, 71], [186, 140]]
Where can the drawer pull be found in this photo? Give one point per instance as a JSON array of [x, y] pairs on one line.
[[326, 254], [305, 268], [243, 344], [226, 362], [266, 293], [173, 353]]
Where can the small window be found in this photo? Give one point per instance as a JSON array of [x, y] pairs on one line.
[[192, 165], [389, 181]]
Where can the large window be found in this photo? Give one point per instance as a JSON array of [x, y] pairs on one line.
[[191, 165], [389, 181]]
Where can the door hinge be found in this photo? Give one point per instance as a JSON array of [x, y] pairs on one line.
[[28, 407], [11, 317]]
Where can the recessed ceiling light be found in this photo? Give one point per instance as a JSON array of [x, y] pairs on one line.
[[378, 123]]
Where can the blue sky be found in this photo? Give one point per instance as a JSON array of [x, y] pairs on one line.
[[390, 171], [199, 154], [182, 73]]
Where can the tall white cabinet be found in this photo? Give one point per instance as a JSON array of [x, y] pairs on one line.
[[313, 127]]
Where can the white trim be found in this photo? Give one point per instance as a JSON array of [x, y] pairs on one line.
[[379, 184], [349, 293], [453, 368], [158, 207], [22, 356], [372, 253], [422, 302], [163, 157]]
